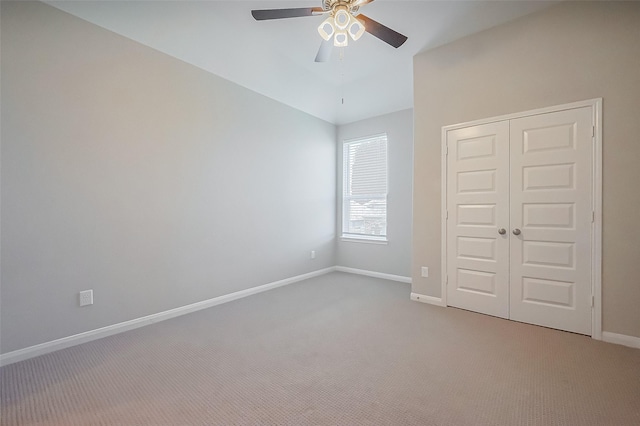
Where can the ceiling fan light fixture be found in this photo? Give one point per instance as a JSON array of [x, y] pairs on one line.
[[356, 28], [341, 39], [327, 29]]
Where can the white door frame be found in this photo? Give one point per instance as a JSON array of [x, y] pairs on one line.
[[596, 197]]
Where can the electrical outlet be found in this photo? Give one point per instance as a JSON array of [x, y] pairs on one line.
[[86, 298], [425, 271], [313, 254]]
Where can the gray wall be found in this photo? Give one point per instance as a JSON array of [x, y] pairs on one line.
[[143, 178], [570, 52], [394, 257]]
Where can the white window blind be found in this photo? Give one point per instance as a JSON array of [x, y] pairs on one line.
[[364, 201]]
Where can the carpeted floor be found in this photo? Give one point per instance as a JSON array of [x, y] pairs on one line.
[[335, 350]]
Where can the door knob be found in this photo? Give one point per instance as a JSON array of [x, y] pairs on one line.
[[502, 231], [516, 231]]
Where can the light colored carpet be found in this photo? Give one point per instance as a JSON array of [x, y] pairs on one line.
[[335, 350]]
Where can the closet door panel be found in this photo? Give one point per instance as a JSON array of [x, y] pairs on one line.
[[477, 205], [550, 203]]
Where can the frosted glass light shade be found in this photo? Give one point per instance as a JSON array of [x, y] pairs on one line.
[[341, 39], [327, 29], [341, 19], [356, 28]]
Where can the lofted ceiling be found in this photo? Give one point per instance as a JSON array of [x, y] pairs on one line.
[[276, 58]]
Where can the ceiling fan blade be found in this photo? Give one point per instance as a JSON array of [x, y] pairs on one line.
[[385, 34], [324, 53], [263, 14], [361, 2]]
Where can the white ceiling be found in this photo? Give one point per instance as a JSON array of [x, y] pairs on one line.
[[276, 58]]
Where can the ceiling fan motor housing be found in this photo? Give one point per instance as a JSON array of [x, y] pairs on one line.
[[335, 5]]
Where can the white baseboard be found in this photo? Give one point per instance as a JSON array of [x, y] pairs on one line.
[[621, 339], [374, 274], [88, 336], [427, 299]]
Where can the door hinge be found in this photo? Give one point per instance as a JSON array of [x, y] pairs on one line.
[[593, 131], [446, 279], [446, 214], [593, 216], [446, 149], [593, 300]]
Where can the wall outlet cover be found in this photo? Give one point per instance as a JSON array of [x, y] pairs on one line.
[[86, 298], [425, 271]]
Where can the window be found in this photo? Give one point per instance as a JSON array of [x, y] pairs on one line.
[[364, 194]]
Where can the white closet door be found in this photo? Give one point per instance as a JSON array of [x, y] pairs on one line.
[[477, 204], [551, 186]]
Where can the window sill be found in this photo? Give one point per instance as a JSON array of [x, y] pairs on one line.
[[365, 240]]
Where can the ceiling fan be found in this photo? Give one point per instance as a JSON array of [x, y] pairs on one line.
[[341, 24]]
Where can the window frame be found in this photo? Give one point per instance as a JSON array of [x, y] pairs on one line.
[[346, 182]]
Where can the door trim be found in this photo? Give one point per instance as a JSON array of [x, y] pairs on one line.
[[596, 197]]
